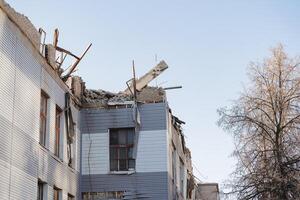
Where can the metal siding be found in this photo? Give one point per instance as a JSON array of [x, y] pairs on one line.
[[27, 92], [153, 117], [7, 75], [4, 180], [151, 177], [96, 148], [22, 159], [5, 139], [151, 156], [22, 185], [152, 151], [24, 154], [57, 173], [153, 185]]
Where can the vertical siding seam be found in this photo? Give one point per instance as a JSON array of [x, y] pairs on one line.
[[13, 113]]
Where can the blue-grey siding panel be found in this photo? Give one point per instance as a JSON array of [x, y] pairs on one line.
[[151, 185], [153, 117]]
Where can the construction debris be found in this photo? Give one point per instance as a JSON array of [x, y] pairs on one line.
[[24, 23], [148, 77], [151, 95], [102, 98]]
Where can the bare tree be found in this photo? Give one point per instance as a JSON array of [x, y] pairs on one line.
[[265, 122]]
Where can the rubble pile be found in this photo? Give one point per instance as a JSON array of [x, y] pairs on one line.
[[103, 98], [151, 95]]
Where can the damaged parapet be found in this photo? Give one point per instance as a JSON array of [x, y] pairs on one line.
[[77, 87], [24, 23], [50, 53]]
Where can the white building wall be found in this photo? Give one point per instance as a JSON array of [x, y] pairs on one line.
[[152, 151], [95, 153], [22, 160]]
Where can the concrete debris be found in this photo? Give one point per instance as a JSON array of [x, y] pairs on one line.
[[151, 94], [24, 23], [102, 98]]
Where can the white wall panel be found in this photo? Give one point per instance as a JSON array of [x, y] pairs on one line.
[[23, 186], [23, 163], [27, 91], [7, 74], [99, 153], [152, 151], [4, 180]]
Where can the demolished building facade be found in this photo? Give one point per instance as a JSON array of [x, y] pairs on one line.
[[61, 141]]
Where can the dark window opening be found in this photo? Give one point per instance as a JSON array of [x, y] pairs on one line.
[[58, 113], [121, 143], [40, 195], [43, 118]]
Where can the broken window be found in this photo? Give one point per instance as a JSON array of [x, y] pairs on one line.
[[121, 149], [58, 113], [43, 118]]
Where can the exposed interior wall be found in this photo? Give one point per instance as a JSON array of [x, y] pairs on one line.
[[177, 148]]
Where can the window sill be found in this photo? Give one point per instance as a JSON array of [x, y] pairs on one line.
[[42, 147], [129, 172], [57, 158]]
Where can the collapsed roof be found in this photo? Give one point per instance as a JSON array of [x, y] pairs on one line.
[[102, 98]]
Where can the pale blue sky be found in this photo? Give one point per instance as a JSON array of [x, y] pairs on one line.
[[207, 44]]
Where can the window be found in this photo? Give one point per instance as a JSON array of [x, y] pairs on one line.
[[43, 118], [40, 190], [181, 176], [121, 149], [58, 113], [56, 193], [103, 195], [70, 197]]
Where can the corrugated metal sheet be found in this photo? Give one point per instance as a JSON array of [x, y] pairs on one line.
[[22, 159], [150, 180], [95, 153], [152, 151], [152, 185], [153, 117]]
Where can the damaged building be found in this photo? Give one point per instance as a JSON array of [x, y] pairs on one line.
[[133, 147], [62, 141]]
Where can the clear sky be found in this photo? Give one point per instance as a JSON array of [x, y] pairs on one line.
[[207, 45]]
